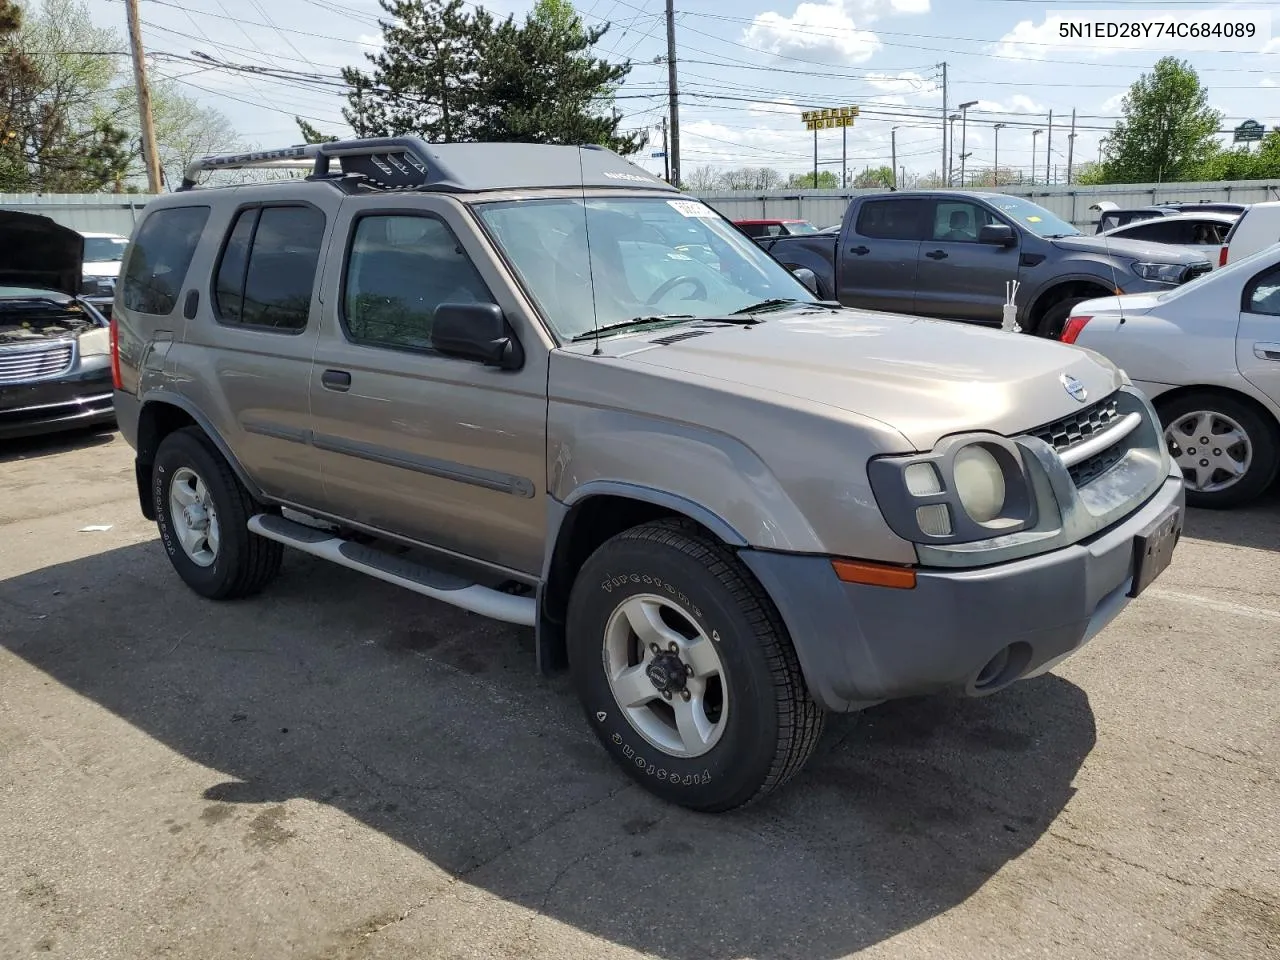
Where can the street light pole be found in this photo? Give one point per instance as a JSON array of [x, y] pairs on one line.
[[995, 173], [1034, 134], [951, 151], [964, 123], [893, 145]]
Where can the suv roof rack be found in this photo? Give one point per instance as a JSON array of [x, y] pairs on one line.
[[409, 163]]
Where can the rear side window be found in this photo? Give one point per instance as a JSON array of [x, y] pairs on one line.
[[160, 257], [1262, 294], [268, 268], [893, 219], [399, 270], [1160, 232]]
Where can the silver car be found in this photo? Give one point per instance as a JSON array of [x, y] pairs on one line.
[[1208, 354], [496, 375]]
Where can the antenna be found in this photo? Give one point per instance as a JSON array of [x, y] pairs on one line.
[[591, 273], [1115, 283]]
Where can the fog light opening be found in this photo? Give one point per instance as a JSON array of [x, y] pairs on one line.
[[1002, 669]]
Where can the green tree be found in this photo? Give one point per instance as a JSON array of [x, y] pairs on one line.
[[185, 130], [310, 134], [1168, 132], [448, 75], [874, 177], [804, 181]]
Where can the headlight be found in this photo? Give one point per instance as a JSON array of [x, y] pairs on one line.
[[1160, 272], [95, 343], [979, 483], [968, 488]]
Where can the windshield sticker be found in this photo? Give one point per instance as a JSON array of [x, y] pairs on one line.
[[691, 208], [1033, 219]]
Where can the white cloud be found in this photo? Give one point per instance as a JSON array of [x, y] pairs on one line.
[[1113, 103], [816, 31], [1268, 82], [1018, 103], [1273, 45]]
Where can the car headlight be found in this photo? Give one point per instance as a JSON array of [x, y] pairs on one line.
[[95, 343], [968, 488], [1160, 272]]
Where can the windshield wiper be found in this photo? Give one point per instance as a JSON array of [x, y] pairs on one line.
[[772, 304], [633, 322]]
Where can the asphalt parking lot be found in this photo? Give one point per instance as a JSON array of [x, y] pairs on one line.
[[337, 769]]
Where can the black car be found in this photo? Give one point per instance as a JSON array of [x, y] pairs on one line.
[[55, 346]]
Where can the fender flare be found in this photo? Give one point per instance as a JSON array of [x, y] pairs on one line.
[[660, 498], [187, 407]]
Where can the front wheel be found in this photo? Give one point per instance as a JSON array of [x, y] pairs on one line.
[[1055, 318], [685, 670], [1227, 452]]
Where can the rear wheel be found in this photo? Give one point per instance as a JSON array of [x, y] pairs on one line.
[[1227, 452], [202, 511], [685, 670]]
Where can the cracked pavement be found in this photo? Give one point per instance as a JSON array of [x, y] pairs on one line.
[[340, 770]]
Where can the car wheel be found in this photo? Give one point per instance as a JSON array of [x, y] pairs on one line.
[[203, 511], [685, 669], [1227, 452], [1055, 318]]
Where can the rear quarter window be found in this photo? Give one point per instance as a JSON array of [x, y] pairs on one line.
[[159, 258]]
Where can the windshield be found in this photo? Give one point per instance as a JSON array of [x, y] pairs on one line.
[[801, 226], [649, 257], [1034, 217], [102, 249]]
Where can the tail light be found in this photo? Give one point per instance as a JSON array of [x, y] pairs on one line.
[[1072, 328], [115, 355], [1222, 257]]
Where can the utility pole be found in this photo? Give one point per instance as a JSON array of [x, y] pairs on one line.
[[893, 141], [951, 150], [149, 156], [1034, 134], [964, 127], [666, 153], [1048, 150], [815, 156], [1071, 145], [945, 170], [673, 93], [995, 173]]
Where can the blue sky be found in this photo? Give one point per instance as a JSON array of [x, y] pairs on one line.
[[748, 68]]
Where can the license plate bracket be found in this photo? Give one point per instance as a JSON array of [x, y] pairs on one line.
[[1153, 548]]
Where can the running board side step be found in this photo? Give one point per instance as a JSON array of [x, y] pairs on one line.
[[403, 573]]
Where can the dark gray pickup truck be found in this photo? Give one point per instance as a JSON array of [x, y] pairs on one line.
[[948, 254]]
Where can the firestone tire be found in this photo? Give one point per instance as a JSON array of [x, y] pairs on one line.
[[202, 512], [753, 722]]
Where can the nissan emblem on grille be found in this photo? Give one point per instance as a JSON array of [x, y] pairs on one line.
[[1074, 387]]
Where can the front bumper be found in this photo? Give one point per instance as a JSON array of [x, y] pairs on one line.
[[859, 645], [79, 398]]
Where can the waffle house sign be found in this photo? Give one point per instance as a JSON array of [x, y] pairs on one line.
[[829, 119]]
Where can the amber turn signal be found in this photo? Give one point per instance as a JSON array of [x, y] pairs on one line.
[[875, 574]]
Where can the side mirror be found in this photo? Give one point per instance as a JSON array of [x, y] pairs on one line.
[[998, 234], [807, 277], [476, 331]]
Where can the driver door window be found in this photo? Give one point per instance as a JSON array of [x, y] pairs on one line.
[[960, 222], [400, 269]]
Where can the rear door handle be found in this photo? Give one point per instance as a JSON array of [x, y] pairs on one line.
[[937, 254], [338, 380], [1267, 351], [860, 251]]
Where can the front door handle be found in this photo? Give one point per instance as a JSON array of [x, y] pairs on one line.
[[860, 251], [937, 254], [338, 380], [1267, 351]]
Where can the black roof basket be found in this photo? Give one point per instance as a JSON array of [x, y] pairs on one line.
[[409, 163]]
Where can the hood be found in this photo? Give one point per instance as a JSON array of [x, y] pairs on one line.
[[1135, 249], [925, 378], [37, 252]]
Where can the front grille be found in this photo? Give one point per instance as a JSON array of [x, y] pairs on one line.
[[1064, 434], [23, 364]]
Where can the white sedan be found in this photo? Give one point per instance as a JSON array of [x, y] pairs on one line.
[[1207, 353]]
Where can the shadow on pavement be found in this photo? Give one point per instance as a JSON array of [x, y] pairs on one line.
[[52, 444], [430, 726], [1256, 525]]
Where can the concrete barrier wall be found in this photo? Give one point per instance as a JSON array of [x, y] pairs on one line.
[[823, 208]]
